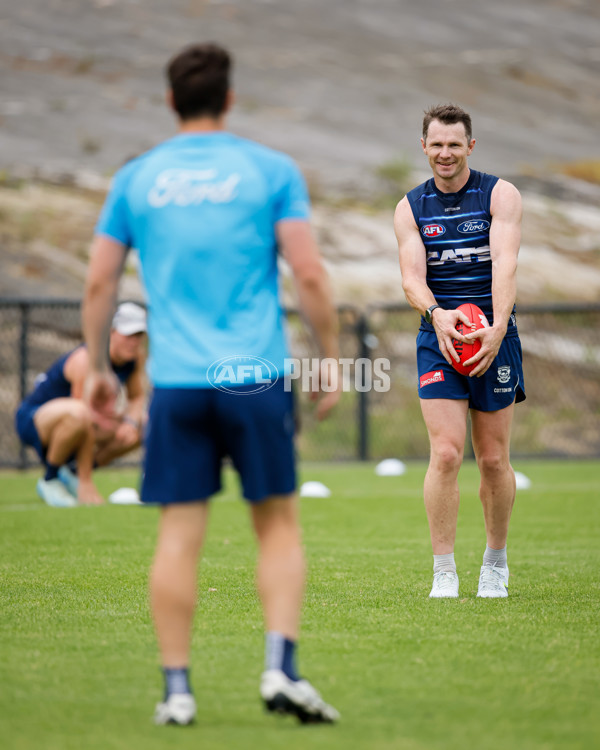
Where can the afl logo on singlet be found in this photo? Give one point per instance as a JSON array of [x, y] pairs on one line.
[[433, 230], [472, 227]]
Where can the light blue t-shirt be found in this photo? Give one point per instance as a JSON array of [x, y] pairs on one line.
[[201, 211]]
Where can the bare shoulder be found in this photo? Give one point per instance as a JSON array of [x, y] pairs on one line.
[[77, 364], [403, 209], [506, 200], [404, 220]]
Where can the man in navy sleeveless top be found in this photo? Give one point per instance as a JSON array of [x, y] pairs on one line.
[[55, 421], [209, 214], [458, 236]]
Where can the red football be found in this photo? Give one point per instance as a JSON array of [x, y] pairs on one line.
[[466, 351]]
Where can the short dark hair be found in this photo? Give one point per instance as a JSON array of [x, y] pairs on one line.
[[448, 114], [199, 79]]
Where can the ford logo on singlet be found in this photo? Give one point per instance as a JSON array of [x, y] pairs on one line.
[[433, 230], [471, 227]]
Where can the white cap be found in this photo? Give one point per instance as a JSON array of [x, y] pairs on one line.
[[130, 318]]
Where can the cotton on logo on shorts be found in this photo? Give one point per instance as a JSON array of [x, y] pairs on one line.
[[435, 376]]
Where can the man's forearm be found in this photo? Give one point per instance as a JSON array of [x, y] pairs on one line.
[[314, 297], [100, 297], [504, 291], [96, 317], [419, 296]]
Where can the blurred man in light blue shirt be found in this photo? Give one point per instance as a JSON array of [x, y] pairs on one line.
[[209, 213]]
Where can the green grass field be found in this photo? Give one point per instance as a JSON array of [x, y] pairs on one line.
[[78, 662]]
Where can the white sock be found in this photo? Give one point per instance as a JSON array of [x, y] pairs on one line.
[[495, 557], [444, 563]]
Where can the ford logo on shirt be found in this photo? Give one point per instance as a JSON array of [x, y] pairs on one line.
[[471, 227], [433, 230]]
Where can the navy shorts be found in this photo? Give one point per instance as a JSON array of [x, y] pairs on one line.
[[496, 389], [191, 430], [27, 431]]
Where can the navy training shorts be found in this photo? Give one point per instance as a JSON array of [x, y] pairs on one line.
[[26, 429], [191, 430], [496, 389]]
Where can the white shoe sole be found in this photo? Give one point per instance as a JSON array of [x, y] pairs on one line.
[[179, 710], [443, 596], [283, 696], [493, 595]]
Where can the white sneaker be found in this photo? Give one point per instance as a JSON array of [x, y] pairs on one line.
[[53, 492], [69, 479], [445, 585], [179, 708], [284, 696], [493, 582]]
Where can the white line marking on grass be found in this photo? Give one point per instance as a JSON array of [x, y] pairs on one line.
[[11, 508]]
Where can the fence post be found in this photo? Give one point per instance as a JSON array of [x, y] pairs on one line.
[[362, 331], [23, 367]]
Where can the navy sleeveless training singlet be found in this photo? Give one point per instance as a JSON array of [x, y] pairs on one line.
[[455, 229], [53, 384]]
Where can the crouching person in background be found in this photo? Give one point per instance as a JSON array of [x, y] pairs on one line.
[[70, 438]]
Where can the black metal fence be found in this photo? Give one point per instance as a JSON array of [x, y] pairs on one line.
[[561, 345], [561, 364]]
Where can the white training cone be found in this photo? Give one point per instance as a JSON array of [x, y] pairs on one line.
[[314, 489], [390, 467], [125, 496], [522, 482]]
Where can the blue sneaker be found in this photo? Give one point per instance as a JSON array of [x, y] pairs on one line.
[[53, 492], [69, 479]]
